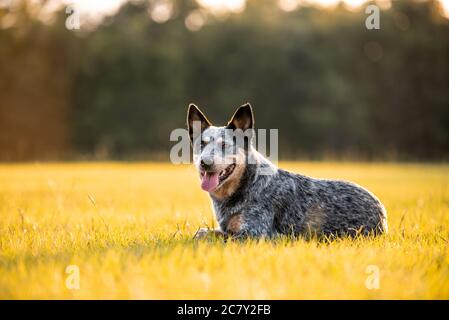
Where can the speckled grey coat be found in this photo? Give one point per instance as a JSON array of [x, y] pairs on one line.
[[268, 201], [293, 204]]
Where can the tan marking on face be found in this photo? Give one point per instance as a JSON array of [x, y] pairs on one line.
[[315, 218], [234, 224], [232, 182]]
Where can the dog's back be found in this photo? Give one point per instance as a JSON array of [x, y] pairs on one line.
[[293, 204], [326, 207]]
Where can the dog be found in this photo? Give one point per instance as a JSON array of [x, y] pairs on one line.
[[252, 198]]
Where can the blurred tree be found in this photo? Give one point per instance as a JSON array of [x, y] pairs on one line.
[[35, 83], [332, 87]]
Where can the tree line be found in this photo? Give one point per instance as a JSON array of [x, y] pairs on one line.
[[333, 88]]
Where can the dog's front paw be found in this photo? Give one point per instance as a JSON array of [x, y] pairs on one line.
[[201, 233], [207, 233]]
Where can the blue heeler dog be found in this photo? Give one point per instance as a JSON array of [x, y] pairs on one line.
[[253, 198]]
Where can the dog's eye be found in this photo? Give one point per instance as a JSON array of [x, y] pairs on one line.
[[223, 145]]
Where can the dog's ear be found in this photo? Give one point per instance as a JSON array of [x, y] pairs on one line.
[[194, 114], [243, 118]]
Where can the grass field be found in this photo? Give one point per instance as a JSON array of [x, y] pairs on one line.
[[128, 228]]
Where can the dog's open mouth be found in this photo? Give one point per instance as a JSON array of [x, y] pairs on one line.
[[211, 180]]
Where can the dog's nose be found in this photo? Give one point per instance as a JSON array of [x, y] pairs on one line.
[[205, 164]]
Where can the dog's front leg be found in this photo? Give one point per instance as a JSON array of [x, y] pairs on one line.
[[251, 225], [206, 233]]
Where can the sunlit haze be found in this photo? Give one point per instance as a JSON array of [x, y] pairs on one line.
[[105, 7]]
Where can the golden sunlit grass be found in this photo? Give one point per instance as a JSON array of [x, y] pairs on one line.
[[129, 227]]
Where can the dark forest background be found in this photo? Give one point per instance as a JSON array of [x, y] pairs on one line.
[[334, 89]]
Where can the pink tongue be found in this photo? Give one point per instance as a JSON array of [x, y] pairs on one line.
[[209, 181]]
